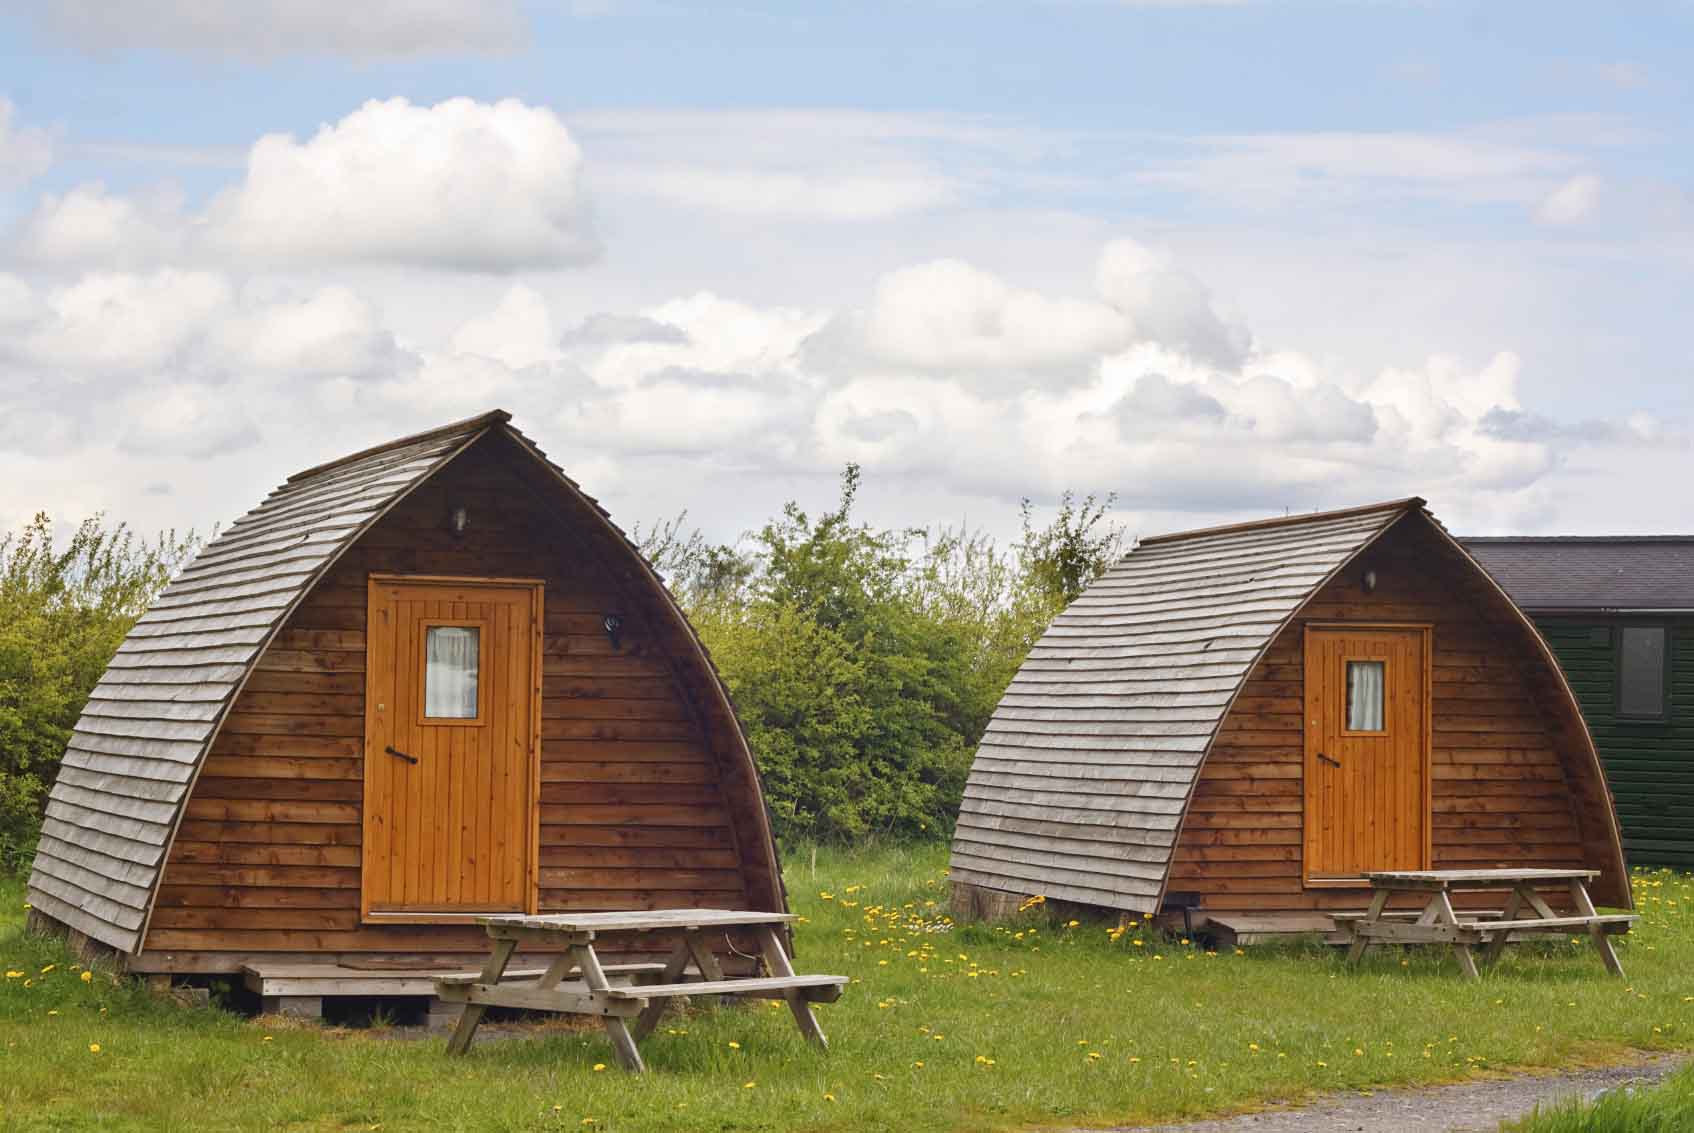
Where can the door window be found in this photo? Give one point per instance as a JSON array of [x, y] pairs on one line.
[[452, 658], [1366, 683]]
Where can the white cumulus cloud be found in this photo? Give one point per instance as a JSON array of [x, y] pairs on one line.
[[458, 185]]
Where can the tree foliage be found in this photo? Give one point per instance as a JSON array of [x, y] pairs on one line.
[[63, 612], [865, 662]]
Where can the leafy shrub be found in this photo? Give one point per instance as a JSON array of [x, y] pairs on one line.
[[63, 613], [865, 663]]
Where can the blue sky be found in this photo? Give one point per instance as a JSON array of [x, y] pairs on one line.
[[1218, 258]]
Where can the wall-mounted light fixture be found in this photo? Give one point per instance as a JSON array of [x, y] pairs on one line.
[[613, 624], [1368, 581], [459, 519]]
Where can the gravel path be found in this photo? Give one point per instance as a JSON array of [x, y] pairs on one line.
[[1473, 1107]]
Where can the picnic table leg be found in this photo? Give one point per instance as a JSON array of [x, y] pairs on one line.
[[1497, 943], [472, 1014], [674, 968], [704, 958], [1596, 932], [623, 1043], [1360, 943], [1443, 909], [777, 959]]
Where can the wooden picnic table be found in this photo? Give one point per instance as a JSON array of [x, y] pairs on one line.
[[577, 983], [1525, 913]]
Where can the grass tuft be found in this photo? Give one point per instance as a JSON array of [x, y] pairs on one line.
[[1665, 1108]]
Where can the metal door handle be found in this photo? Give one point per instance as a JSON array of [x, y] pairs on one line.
[[413, 759], [1321, 755]]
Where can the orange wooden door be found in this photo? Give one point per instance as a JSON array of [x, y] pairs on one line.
[[1366, 766], [451, 748]]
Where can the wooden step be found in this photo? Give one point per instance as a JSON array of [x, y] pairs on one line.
[[1234, 929], [769, 987]]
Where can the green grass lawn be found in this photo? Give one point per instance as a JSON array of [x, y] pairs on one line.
[[943, 1028]]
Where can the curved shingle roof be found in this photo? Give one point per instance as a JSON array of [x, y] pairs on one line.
[[1079, 786]]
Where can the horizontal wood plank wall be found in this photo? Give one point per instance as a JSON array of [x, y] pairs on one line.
[[633, 808], [1500, 796]]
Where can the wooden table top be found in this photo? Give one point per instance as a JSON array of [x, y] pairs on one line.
[[640, 920], [1423, 878]]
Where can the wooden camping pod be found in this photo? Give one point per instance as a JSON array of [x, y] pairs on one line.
[[234, 787], [1253, 716]]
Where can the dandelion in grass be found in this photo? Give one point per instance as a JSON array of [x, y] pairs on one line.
[[599, 1066], [748, 1085], [48, 968], [93, 1048], [733, 1045], [87, 976], [829, 1097]]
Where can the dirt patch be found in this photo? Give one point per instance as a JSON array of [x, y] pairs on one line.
[[1471, 1107]]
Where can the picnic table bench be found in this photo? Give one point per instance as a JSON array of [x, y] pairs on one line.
[[1525, 913], [577, 983]]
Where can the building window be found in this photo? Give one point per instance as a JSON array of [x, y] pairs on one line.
[[1641, 671], [450, 672], [1365, 686]]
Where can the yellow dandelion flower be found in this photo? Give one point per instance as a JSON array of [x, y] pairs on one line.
[[829, 1097], [748, 1085], [48, 968], [93, 1048], [599, 1066], [733, 1045], [87, 976]]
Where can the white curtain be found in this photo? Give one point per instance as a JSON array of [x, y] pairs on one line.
[[450, 672], [1364, 695]]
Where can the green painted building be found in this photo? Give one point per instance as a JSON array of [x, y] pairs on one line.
[[1619, 613]]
